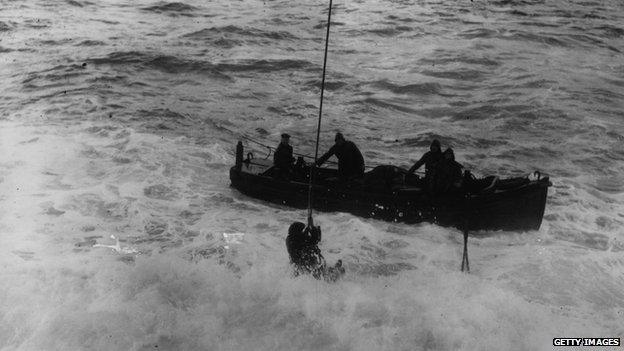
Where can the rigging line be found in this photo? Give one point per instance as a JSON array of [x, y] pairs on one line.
[[318, 127], [369, 165], [272, 148]]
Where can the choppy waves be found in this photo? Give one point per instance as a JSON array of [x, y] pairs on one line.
[[123, 122], [172, 9]]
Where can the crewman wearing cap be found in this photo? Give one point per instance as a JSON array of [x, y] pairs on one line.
[[283, 158]]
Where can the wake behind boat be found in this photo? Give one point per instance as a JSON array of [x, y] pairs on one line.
[[386, 193]]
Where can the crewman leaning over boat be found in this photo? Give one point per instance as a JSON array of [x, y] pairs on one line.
[[429, 159], [350, 160], [283, 158]]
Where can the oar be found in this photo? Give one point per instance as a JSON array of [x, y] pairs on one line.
[[465, 264]]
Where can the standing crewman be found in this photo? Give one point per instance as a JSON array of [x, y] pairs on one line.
[[429, 159], [350, 160]]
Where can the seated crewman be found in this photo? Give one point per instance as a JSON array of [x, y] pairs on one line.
[[283, 158]]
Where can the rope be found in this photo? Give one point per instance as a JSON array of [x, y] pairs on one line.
[[318, 127], [271, 148], [370, 165]]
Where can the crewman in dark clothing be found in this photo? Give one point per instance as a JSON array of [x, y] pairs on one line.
[[350, 160], [305, 255], [283, 158], [429, 159], [448, 173]]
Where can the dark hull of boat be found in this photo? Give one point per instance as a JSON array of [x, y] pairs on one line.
[[518, 208]]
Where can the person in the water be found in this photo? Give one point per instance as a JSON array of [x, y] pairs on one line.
[[305, 255], [283, 158], [350, 159], [302, 245]]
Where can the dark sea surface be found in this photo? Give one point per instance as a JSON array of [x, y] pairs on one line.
[[118, 122]]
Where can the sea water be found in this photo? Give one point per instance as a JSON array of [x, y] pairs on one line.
[[118, 125]]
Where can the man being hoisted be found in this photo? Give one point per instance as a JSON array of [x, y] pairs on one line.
[[305, 255]]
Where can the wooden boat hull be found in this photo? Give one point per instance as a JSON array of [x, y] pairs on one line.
[[518, 208]]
